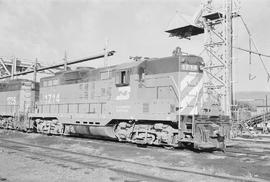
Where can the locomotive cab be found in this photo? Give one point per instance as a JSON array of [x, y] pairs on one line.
[[177, 82]]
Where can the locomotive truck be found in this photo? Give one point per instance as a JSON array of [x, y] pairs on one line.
[[159, 101]]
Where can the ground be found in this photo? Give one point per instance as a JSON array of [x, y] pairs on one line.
[[18, 166]]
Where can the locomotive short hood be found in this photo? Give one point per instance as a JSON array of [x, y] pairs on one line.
[[170, 64]]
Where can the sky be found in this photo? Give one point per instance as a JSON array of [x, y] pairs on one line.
[[45, 29]]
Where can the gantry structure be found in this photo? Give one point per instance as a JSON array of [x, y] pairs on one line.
[[216, 25], [11, 68]]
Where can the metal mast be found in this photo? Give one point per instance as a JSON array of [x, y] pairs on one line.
[[216, 24], [229, 84], [218, 47]]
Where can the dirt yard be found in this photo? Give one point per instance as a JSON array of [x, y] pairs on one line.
[[17, 166]]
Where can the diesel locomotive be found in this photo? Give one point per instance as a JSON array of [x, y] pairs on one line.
[[17, 98], [159, 101]]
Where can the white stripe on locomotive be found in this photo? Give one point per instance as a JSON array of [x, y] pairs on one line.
[[186, 80], [191, 96]]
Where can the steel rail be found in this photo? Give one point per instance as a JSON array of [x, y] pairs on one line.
[[248, 152], [252, 141]]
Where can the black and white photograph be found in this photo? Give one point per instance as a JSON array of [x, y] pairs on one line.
[[134, 90]]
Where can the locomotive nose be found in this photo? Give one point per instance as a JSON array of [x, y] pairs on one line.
[[210, 137]]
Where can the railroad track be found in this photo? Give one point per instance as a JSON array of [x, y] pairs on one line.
[[233, 151], [244, 150], [258, 156], [252, 141], [142, 171], [247, 151]]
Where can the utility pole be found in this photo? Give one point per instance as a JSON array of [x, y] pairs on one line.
[[35, 71], [14, 66], [65, 61], [106, 64], [106, 52], [228, 54], [266, 106]]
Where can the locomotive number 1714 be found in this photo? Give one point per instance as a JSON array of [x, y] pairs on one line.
[[11, 100], [51, 98]]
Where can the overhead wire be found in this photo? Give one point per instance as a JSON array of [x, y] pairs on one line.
[[252, 42]]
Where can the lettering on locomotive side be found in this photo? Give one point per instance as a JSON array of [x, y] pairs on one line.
[[189, 67], [124, 108], [123, 93], [52, 98], [11, 100]]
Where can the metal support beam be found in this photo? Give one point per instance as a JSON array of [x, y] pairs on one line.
[[252, 52], [110, 53], [217, 58], [4, 66], [222, 82]]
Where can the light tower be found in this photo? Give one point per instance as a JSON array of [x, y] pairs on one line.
[[216, 24], [218, 48]]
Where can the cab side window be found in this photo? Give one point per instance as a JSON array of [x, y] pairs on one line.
[[141, 74], [122, 78]]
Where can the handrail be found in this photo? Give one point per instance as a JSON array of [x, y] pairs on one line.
[[194, 106], [177, 96]]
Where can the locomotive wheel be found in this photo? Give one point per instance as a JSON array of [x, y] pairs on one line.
[[122, 131], [63, 129], [172, 144], [150, 138]]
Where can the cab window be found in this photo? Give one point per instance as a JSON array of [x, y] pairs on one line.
[[122, 78], [141, 74]]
